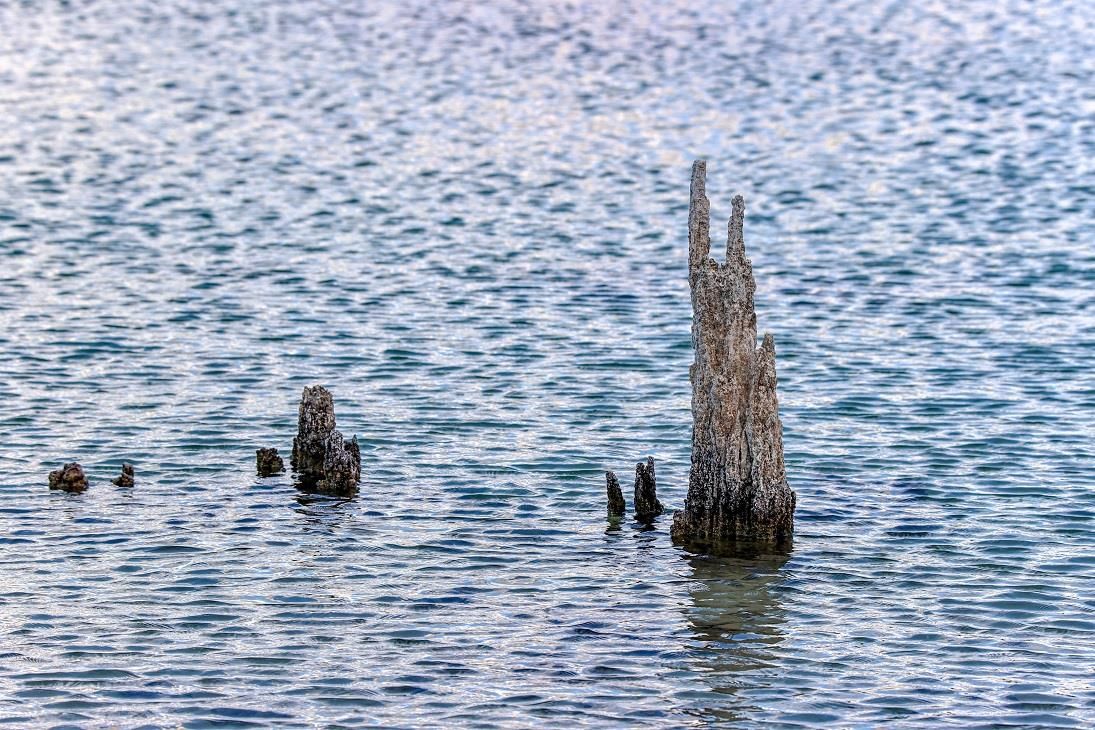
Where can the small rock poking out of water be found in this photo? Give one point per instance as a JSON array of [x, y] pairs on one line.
[[616, 505], [268, 462], [125, 479], [69, 478], [321, 457], [737, 488], [647, 506]]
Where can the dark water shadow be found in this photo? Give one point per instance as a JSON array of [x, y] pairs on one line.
[[614, 525], [321, 505], [324, 513], [308, 486], [737, 621]]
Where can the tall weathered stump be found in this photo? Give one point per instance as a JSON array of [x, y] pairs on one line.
[[321, 458], [737, 487]]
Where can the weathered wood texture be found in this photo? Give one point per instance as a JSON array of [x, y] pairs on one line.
[[341, 464], [268, 462], [737, 487], [647, 506], [69, 478], [126, 478], [321, 457], [616, 505]]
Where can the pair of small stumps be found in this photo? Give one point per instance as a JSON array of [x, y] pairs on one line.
[[322, 459], [738, 496], [647, 506], [71, 478]]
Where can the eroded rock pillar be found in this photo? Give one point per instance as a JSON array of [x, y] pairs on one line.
[[268, 462]]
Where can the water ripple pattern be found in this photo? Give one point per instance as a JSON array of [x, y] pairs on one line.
[[469, 221]]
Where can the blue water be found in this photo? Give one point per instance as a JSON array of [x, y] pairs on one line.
[[469, 222]]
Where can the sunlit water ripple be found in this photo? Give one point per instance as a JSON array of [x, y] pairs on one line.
[[469, 223]]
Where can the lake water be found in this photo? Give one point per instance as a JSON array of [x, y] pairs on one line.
[[469, 222]]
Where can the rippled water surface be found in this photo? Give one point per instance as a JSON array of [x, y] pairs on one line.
[[470, 223]]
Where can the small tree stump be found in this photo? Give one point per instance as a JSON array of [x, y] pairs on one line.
[[268, 462], [616, 505], [125, 479], [341, 464], [69, 478], [321, 457], [315, 422], [647, 506]]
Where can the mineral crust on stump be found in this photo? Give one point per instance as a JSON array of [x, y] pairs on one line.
[[341, 464], [69, 478], [315, 422], [321, 457], [647, 506], [737, 487], [125, 479], [268, 462], [616, 505]]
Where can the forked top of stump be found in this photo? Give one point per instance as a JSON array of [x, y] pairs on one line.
[[737, 488]]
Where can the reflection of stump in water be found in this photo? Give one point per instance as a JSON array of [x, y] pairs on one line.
[[737, 620]]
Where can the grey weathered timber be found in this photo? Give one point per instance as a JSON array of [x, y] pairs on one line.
[[125, 479], [647, 506], [268, 462], [69, 478], [737, 487], [321, 457], [616, 505]]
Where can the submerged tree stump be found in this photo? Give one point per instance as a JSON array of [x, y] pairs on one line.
[[321, 457], [69, 478], [125, 479], [616, 505], [737, 487], [315, 422], [268, 462], [647, 506], [341, 464]]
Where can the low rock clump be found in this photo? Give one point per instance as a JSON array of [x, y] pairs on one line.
[[647, 506]]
